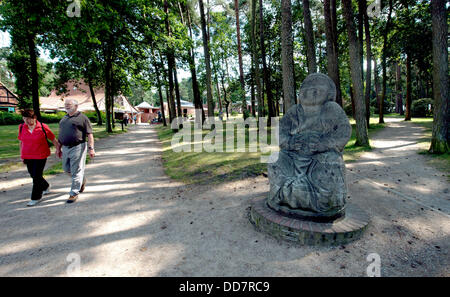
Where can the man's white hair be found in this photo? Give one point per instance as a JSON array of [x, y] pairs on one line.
[[73, 101]]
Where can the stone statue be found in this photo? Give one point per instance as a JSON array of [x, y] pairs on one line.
[[308, 179]]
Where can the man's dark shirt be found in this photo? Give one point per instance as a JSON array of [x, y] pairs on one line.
[[73, 129]]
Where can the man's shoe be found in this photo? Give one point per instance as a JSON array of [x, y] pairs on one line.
[[72, 199], [47, 191], [33, 202], [82, 186]]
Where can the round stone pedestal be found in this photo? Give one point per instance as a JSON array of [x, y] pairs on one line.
[[341, 231]]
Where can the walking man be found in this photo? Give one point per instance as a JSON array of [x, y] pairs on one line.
[[74, 127]]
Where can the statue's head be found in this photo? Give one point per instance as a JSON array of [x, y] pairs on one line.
[[316, 89]]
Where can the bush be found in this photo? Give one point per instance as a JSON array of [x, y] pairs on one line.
[[234, 113], [387, 106], [8, 118], [422, 107], [52, 117], [92, 116]]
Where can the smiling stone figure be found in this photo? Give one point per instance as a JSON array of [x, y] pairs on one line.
[[308, 179]]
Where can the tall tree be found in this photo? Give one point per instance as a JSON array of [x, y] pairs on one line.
[[398, 88], [199, 111], [332, 51], [362, 138], [255, 62], [25, 21], [368, 61], [241, 68], [177, 90], [408, 88], [207, 61], [440, 139], [361, 35], [266, 73], [287, 55], [383, 62], [170, 65], [159, 85], [309, 38]]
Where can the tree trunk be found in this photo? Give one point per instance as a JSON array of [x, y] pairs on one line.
[[361, 36], [252, 92], [195, 88], [383, 63], [224, 90], [362, 138], [352, 99], [170, 67], [266, 73], [309, 38], [207, 61], [177, 91], [375, 81], [111, 101], [216, 80], [369, 62], [398, 88], [241, 69], [94, 101], [255, 59], [158, 81], [332, 54], [108, 66], [408, 88], [166, 88], [440, 140], [34, 75], [287, 55]]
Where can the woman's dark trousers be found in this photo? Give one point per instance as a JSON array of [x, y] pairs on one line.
[[36, 170]]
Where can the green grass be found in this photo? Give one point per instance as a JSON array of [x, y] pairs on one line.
[[9, 145], [438, 161], [204, 167], [353, 152]]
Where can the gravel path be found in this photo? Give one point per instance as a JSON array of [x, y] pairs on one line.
[[132, 220]]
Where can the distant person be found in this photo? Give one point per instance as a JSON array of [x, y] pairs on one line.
[[125, 120], [74, 127], [135, 118], [159, 117], [34, 151]]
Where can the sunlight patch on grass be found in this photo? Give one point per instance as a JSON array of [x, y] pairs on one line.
[[204, 167]]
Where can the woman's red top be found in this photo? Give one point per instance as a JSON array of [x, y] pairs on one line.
[[34, 145]]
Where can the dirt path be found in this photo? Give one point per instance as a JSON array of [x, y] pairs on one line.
[[133, 220]]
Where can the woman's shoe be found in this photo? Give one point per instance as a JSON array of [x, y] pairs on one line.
[[47, 191], [33, 202]]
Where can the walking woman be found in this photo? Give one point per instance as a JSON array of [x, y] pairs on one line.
[[34, 150]]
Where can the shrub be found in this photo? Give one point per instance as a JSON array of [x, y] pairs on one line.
[[52, 117], [422, 107], [92, 116], [387, 105], [234, 113], [8, 118]]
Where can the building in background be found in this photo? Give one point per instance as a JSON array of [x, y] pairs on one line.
[[187, 108], [147, 112], [8, 100], [79, 91]]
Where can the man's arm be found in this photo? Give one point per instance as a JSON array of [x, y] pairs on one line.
[[58, 146], [91, 145]]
